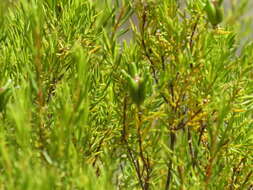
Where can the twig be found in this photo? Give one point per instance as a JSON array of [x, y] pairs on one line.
[[129, 151], [169, 174], [193, 32]]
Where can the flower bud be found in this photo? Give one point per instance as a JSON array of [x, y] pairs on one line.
[[214, 11], [137, 84]]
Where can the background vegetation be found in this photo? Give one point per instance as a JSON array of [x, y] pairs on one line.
[[141, 94]]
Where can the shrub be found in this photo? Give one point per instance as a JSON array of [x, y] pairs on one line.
[[125, 95]]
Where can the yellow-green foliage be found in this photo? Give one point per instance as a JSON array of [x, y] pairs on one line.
[[119, 94]]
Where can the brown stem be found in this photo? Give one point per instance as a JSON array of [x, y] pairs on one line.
[[147, 53], [129, 150], [247, 180], [146, 167], [193, 32], [169, 174]]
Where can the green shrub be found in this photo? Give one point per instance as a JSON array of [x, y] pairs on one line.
[[125, 95]]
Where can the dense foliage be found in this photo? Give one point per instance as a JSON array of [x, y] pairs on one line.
[[141, 94]]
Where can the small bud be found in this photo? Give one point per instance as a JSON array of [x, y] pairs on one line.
[[142, 89], [214, 11], [137, 84]]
